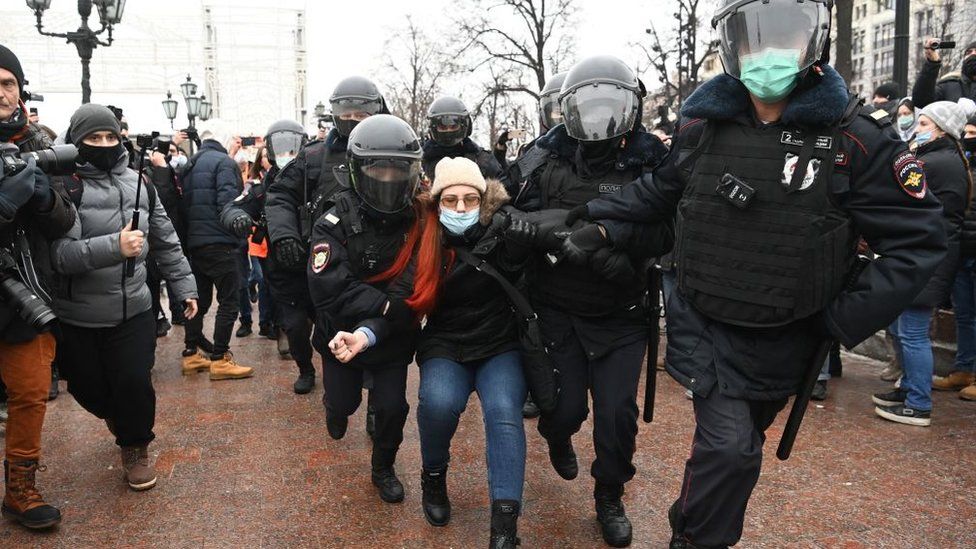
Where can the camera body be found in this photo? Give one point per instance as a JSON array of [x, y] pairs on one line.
[[944, 45], [58, 160], [28, 305]]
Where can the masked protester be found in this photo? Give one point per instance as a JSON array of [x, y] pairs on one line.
[[108, 326], [302, 192], [449, 135], [34, 210], [361, 279], [886, 98], [906, 119], [964, 286], [752, 189], [951, 87]]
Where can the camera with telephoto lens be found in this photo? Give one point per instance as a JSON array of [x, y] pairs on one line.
[[58, 160], [22, 299], [944, 45]]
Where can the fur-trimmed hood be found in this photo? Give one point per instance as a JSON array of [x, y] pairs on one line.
[[724, 98], [640, 147]]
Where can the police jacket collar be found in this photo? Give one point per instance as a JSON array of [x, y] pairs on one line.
[[335, 142], [724, 98], [434, 151], [640, 149]]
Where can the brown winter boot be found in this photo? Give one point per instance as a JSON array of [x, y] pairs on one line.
[[226, 368], [954, 381], [136, 468], [23, 503], [196, 362], [968, 393]]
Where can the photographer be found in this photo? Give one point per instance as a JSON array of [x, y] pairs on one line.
[[951, 87], [32, 212], [162, 173]]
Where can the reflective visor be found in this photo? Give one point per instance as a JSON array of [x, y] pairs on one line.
[[285, 143], [597, 112], [448, 129], [385, 184], [549, 110], [749, 28], [344, 105]]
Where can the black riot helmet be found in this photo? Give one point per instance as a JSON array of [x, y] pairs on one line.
[[601, 99], [354, 99], [450, 121], [384, 162], [549, 112], [283, 141]]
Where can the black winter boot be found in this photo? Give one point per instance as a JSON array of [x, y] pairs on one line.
[[306, 379], [678, 539], [563, 458], [336, 426], [614, 524], [437, 506], [504, 524], [384, 476]]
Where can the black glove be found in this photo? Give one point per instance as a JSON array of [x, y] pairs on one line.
[[614, 266], [43, 198], [16, 190], [521, 231], [577, 213], [241, 225], [502, 142], [582, 243], [290, 253], [399, 313]]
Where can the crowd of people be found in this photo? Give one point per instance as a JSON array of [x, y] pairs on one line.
[[521, 276]]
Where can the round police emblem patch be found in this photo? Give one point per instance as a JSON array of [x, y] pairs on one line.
[[321, 254], [910, 175]]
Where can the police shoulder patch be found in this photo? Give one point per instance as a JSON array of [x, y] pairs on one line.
[[910, 175], [321, 254]]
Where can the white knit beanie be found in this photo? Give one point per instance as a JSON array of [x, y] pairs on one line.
[[457, 171]]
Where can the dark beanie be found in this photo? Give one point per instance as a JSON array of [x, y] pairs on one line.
[[10, 62], [88, 119], [970, 46], [888, 90]]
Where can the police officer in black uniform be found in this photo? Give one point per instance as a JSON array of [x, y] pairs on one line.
[[550, 116], [775, 174], [296, 198], [592, 316], [449, 135], [354, 244]]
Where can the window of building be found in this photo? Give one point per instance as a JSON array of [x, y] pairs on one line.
[[884, 35], [883, 5]]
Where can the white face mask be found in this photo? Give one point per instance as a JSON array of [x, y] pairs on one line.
[[282, 160], [177, 161], [240, 157]]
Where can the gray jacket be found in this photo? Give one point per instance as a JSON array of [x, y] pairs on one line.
[[93, 291]]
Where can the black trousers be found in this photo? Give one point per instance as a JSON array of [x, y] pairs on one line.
[[388, 398], [295, 314], [612, 380], [726, 457], [107, 370], [215, 267]]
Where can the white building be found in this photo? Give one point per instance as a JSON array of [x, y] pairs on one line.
[[249, 61]]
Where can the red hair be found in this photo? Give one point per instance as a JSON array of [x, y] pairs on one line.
[[423, 244]]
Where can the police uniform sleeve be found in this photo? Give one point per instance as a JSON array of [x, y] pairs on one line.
[[337, 293], [891, 208], [285, 196], [248, 203]]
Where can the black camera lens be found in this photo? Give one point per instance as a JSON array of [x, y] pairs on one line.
[[30, 307], [58, 160]]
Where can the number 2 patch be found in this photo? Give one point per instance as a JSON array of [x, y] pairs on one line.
[[910, 175], [321, 254]]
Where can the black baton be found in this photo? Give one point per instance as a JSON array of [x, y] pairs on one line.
[[653, 339]]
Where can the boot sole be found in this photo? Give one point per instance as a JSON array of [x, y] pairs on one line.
[[191, 371], [916, 421], [35, 525], [882, 402], [142, 487], [616, 542], [970, 398], [388, 500], [218, 377]]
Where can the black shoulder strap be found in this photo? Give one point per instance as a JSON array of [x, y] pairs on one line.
[[151, 189], [349, 214], [518, 300], [704, 141], [75, 189]]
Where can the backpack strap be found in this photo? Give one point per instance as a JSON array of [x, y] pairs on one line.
[[518, 300]]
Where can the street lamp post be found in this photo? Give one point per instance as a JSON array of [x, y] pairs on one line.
[[85, 39], [196, 106]]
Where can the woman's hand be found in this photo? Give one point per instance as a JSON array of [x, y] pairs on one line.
[[345, 345], [190, 310]]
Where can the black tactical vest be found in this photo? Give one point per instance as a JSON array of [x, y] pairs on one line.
[[320, 187], [578, 289], [372, 247], [766, 246]]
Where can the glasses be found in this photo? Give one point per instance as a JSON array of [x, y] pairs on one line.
[[470, 201]]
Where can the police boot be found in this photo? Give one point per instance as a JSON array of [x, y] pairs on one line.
[[614, 524], [336, 426], [22, 502], [563, 458], [678, 540], [225, 368], [437, 506], [384, 477], [504, 524], [306, 379]]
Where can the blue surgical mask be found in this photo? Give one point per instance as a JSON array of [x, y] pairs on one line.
[[905, 122], [923, 138], [770, 74], [456, 223]]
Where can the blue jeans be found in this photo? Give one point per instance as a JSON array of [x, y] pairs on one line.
[[445, 386], [251, 274], [910, 336], [964, 305]]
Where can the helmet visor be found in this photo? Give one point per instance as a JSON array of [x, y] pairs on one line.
[[285, 143], [349, 111], [749, 28], [385, 184], [597, 112], [448, 129], [549, 110]]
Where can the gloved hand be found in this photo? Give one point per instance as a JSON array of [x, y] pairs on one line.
[[583, 242], [290, 253], [614, 266], [521, 231], [241, 225], [578, 213], [398, 312], [16, 190], [43, 198]]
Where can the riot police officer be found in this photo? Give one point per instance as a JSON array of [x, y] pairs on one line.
[[777, 171], [449, 135], [361, 284], [550, 116], [592, 316], [296, 198]]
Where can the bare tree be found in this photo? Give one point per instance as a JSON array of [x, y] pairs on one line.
[[676, 53], [843, 42], [417, 66]]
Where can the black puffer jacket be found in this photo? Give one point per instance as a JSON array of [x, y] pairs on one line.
[[967, 238], [473, 319], [211, 181], [433, 153], [948, 180]]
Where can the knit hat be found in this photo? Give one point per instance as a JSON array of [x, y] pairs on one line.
[[457, 171], [88, 119], [10, 62], [888, 90], [947, 115]]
